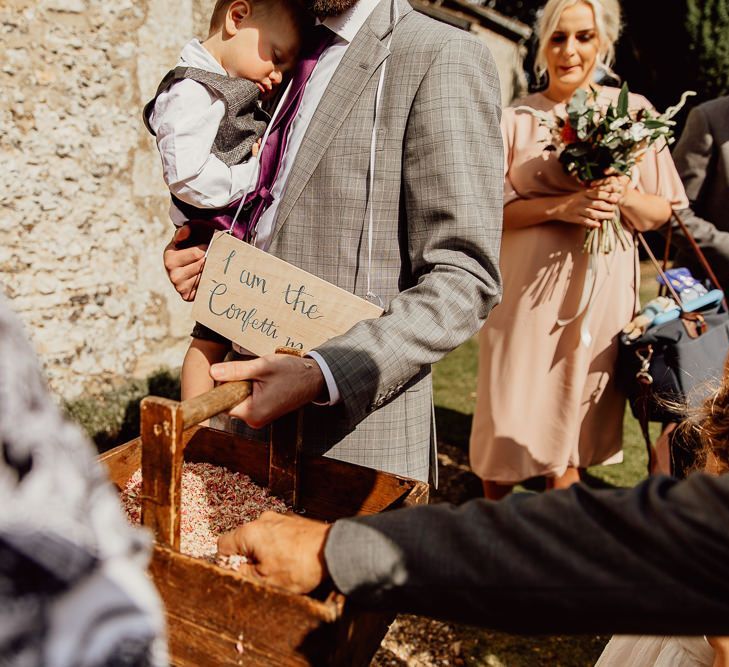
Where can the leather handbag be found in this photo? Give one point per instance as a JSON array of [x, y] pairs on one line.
[[674, 365]]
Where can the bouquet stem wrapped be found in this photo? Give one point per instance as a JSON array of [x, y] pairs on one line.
[[604, 239]]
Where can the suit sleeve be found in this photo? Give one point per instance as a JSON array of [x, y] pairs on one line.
[[452, 193], [693, 152], [653, 559]]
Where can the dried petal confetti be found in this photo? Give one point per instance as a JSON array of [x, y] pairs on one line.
[[214, 501]]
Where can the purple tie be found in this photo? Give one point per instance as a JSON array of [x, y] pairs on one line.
[[260, 199]]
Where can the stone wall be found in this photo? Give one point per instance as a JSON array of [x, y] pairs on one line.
[[82, 204], [83, 209]]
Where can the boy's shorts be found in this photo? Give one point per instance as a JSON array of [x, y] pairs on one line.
[[203, 333]]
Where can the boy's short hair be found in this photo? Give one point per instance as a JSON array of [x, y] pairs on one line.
[[296, 7], [218, 15]]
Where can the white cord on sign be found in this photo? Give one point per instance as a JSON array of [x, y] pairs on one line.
[[373, 154]]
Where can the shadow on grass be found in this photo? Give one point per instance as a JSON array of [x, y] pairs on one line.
[[453, 427], [113, 417]]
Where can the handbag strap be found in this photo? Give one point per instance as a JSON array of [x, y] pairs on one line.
[[695, 247], [660, 270], [642, 404], [667, 248], [666, 256], [643, 400]]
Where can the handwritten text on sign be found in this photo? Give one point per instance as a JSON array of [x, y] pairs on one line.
[[262, 302]]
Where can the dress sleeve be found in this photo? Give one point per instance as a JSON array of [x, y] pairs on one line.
[[657, 174]]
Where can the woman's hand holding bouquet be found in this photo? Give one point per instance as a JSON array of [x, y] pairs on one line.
[[590, 206]]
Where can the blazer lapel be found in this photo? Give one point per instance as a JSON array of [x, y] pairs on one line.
[[362, 58]]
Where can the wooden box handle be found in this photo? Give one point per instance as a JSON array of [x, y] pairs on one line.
[[162, 424], [220, 399]]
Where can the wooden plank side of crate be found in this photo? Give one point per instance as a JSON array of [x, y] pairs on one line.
[[274, 627], [207, 445], [162, 458], [191, 645], [123, 461], [333, 489]]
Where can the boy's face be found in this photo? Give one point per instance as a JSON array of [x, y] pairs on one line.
[[264, 46]]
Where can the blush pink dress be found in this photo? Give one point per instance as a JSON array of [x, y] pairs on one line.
[[545, 399]]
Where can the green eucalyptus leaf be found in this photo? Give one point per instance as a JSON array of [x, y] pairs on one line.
[[623, 100]]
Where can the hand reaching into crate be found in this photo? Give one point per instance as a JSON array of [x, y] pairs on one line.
[[281, 383], [284, 550]]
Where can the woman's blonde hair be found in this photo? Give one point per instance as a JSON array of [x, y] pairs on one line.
[[607, 22]]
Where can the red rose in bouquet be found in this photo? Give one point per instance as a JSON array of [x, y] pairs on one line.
[[568, 134]]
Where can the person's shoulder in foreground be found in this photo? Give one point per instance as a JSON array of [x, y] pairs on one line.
[[718, 105]]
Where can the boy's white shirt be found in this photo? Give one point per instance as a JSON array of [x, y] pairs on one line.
[[185, 119]]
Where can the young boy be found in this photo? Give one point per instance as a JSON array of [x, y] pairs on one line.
[[207, 120]]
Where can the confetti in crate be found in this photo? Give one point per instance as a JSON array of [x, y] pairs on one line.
[[214, 501]]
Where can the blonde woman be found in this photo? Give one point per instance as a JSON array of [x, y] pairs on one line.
[[547, 404]]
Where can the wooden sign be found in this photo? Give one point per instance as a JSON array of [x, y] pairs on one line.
[[261, 302]]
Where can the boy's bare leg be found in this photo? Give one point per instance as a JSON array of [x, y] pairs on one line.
[[200, 356]]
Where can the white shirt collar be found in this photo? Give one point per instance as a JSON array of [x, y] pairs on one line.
[[194, 54], [348, 24]]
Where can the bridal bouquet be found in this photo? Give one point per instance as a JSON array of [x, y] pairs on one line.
[[594, 141]]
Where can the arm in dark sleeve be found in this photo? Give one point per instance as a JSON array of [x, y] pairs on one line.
[[654, 559], [692, 153]]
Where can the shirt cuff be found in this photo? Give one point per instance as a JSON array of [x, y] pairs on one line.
[[332, 388]]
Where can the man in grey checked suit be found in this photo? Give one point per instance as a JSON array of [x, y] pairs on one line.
[[702, 159], [437, 225]]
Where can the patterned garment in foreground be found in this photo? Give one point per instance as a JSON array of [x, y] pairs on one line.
[[73, 588]]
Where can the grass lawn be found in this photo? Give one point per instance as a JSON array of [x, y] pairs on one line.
[[454, 386]]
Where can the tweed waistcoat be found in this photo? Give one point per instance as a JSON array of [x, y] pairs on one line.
[[244, 121]]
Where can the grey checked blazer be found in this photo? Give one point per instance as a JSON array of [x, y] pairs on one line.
[[702, 159], [438, 205]]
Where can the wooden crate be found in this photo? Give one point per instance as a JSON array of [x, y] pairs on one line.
[[220, 617]]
